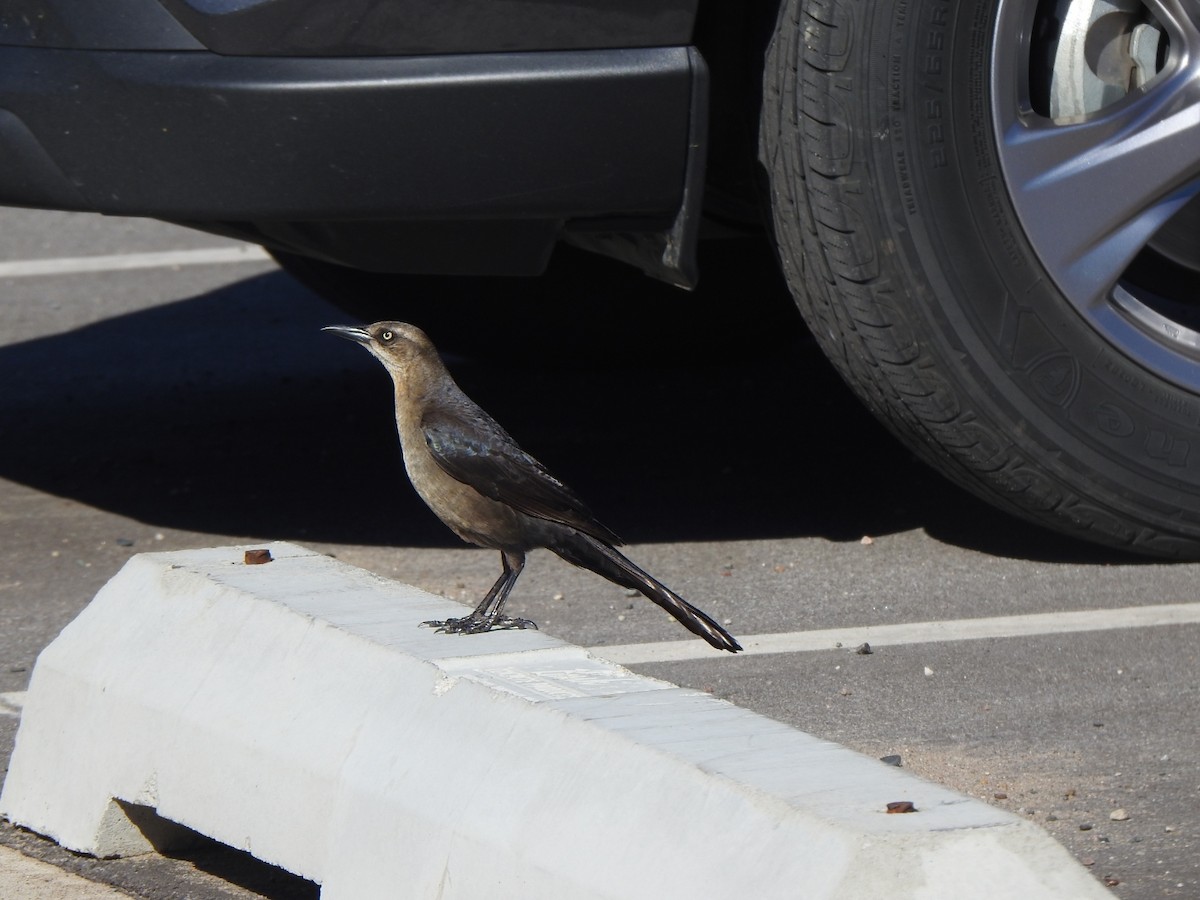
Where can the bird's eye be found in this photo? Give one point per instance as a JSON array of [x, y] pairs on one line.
[[387, 337]]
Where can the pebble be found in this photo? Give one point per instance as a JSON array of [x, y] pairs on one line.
[[1119, 815], [1086, 826], [558, 596], [1000, 795], [928, 671], [892, 759]]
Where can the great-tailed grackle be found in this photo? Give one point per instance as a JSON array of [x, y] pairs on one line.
[[492, 493]]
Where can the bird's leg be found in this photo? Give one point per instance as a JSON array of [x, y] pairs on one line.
[[487, 614]]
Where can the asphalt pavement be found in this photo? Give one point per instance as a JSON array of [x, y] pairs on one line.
[[173, 390]]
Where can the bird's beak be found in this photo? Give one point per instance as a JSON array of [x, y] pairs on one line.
[[350, 333]]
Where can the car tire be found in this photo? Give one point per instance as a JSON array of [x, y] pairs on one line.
[[888, 128]]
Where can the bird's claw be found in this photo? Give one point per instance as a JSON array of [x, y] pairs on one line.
[[474, 624]]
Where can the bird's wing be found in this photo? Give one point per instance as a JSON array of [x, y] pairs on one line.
[[475, 450]]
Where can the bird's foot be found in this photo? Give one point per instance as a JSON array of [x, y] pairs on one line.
[[474, 624]]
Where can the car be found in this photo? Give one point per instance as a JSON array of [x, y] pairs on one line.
[[984, 209]]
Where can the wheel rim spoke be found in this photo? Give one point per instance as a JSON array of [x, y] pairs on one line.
[[1091, 194], [1181, 18], [1092, 190]]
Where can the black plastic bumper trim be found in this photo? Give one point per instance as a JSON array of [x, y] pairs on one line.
[[200, 137]]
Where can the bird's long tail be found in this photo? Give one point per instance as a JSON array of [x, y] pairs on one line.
[[589, 553]]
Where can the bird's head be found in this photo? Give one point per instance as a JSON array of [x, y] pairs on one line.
[[398, 345]]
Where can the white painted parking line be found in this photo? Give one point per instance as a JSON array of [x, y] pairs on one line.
[[914, 633], [31, 879], [74, 265], [876, 635]]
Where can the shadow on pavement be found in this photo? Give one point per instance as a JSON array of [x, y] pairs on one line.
[[179, 872], [230, 413]]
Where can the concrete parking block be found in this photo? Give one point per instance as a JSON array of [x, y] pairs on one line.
[[295, 710]]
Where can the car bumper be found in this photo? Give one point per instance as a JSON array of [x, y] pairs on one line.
[[197, 136]]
